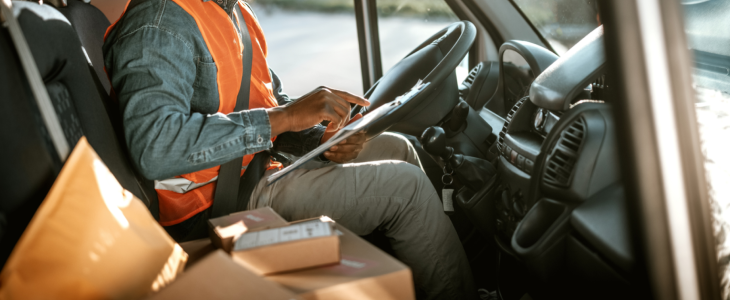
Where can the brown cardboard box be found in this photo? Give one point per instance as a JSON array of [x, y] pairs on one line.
[[224, 229], [197, 250], [217, 277], [256, 219], [365, 272], [90, 239], [297, 246]]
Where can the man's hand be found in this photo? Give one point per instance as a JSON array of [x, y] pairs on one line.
[[347, 150], [322, 104]]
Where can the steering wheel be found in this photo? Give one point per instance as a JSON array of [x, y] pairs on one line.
[[434, 60]]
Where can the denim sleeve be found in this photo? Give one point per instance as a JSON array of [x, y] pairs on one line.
[[295, 143], [152, 71]]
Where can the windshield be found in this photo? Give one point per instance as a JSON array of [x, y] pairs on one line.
[[315, 42], [561, 22]]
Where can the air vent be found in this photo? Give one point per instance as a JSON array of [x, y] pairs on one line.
[[472, 75], [468, 82], [600, 82], [600, 88], [510, 115], [559, 167]]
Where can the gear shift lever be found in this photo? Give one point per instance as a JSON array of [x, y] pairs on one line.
[[473, 172], [433, 140]]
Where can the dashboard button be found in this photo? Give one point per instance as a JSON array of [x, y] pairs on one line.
[[513, 157], [507, 150], [520, 162], [528, 166]]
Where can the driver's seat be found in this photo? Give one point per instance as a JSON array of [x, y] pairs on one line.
[[90, 25]]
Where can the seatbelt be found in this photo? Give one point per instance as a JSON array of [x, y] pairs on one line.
[[48, 113], [233, 191]]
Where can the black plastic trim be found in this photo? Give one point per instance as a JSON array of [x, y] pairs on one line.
[[371, 64]]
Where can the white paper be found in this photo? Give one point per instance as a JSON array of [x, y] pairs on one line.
[[351, 129], [306, 230]]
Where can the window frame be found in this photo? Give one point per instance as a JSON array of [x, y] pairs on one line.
[[371, 63], [659, 135]]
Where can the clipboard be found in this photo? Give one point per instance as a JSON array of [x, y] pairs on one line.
[[354, 127]]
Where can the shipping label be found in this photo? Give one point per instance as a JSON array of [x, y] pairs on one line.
[[306, 230]]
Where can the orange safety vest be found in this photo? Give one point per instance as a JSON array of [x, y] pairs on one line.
[[184, 196]]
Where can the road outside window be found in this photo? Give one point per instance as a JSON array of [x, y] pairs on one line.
[[562, 22], [311, 43], [405, 24]]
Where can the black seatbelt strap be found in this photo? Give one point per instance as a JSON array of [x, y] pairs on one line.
[[38, 88], [233, 191]]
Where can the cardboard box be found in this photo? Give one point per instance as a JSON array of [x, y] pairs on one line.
[[197, 250], [297, 246], [365, 272], [253, 220], [90, 239], [224, 229], [217, 277]]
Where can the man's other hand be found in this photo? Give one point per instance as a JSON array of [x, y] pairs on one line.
[[329, 134], [347, 150], [322, 104]]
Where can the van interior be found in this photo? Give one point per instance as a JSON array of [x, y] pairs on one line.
[[528, 140]]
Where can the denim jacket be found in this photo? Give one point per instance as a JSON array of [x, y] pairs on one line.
[[164, 78]]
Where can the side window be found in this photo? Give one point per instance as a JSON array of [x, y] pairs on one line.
[[706, 25], [311, 43], [561, 22], [405, 24]]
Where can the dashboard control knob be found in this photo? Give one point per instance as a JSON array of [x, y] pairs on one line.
[[518, 209], [505, 202]]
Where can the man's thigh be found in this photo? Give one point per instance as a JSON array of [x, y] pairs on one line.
[[388, 146], [361, 196]]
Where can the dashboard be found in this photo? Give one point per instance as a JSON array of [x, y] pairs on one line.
[[557, 202]]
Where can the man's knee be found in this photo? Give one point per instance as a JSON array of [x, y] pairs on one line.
[[412, 178], [393, 141]]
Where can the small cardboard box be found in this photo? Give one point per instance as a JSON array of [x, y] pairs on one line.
[[297, 246], [217, 277], [224, 229], [267, 244], [365, 272]]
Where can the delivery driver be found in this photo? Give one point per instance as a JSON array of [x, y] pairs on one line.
[[175, 69]]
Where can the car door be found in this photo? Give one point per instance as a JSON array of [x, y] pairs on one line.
[[663, 162]]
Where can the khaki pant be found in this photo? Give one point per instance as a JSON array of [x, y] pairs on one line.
[[384, 189]]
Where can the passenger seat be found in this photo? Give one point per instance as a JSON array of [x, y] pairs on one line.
[[79, 95]]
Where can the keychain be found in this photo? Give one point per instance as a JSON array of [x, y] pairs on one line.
[[447, 192]]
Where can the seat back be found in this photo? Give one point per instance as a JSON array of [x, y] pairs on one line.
[[28, 159], [90, 25]]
